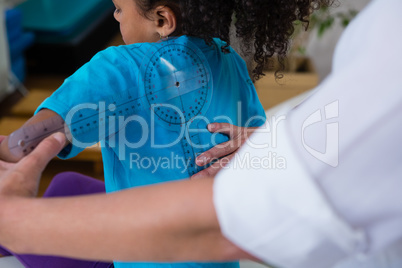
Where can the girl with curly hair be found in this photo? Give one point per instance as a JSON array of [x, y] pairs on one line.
[[262, 26]]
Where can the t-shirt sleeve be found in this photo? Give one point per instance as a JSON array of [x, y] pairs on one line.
[[85, 93], [252, 113], [256, 116]]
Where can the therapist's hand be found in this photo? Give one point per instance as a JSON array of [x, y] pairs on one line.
[[223, 152], [22, 178]]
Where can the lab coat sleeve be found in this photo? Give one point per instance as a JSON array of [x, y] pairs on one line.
[[337, 195], [268, 205]]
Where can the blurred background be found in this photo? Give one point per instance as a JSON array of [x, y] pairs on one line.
[[320, 48], [42, 42], [55, 37]]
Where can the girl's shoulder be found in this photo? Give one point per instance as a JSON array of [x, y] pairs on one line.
[[142, 49], [124, 49]]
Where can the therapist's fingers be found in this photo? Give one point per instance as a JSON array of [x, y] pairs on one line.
[[219, 151], [231, 130], [36, 161], [237, 135], [224, 128], [22, 178], [5, 166], [212, 170], [222, 149]]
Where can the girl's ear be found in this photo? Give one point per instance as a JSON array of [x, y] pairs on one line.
[[166, 21]]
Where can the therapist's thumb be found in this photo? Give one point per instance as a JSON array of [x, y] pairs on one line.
[[38, 159]]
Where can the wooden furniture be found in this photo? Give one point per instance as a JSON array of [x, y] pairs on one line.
[[27, 106], [273, 92]]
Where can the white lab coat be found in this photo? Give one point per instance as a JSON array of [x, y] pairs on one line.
[[329, 185]]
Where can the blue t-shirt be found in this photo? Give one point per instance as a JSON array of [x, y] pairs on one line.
[[139, 148]]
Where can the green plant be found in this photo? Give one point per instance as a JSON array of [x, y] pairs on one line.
[[321, 21]]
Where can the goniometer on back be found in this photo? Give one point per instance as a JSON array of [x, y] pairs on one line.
[[175, 87]]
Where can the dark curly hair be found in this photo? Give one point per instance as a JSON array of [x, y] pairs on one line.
[[263, 26]]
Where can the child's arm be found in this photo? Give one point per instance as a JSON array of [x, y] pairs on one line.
[[7, 155]]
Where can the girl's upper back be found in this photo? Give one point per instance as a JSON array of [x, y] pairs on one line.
[[140, 146]]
